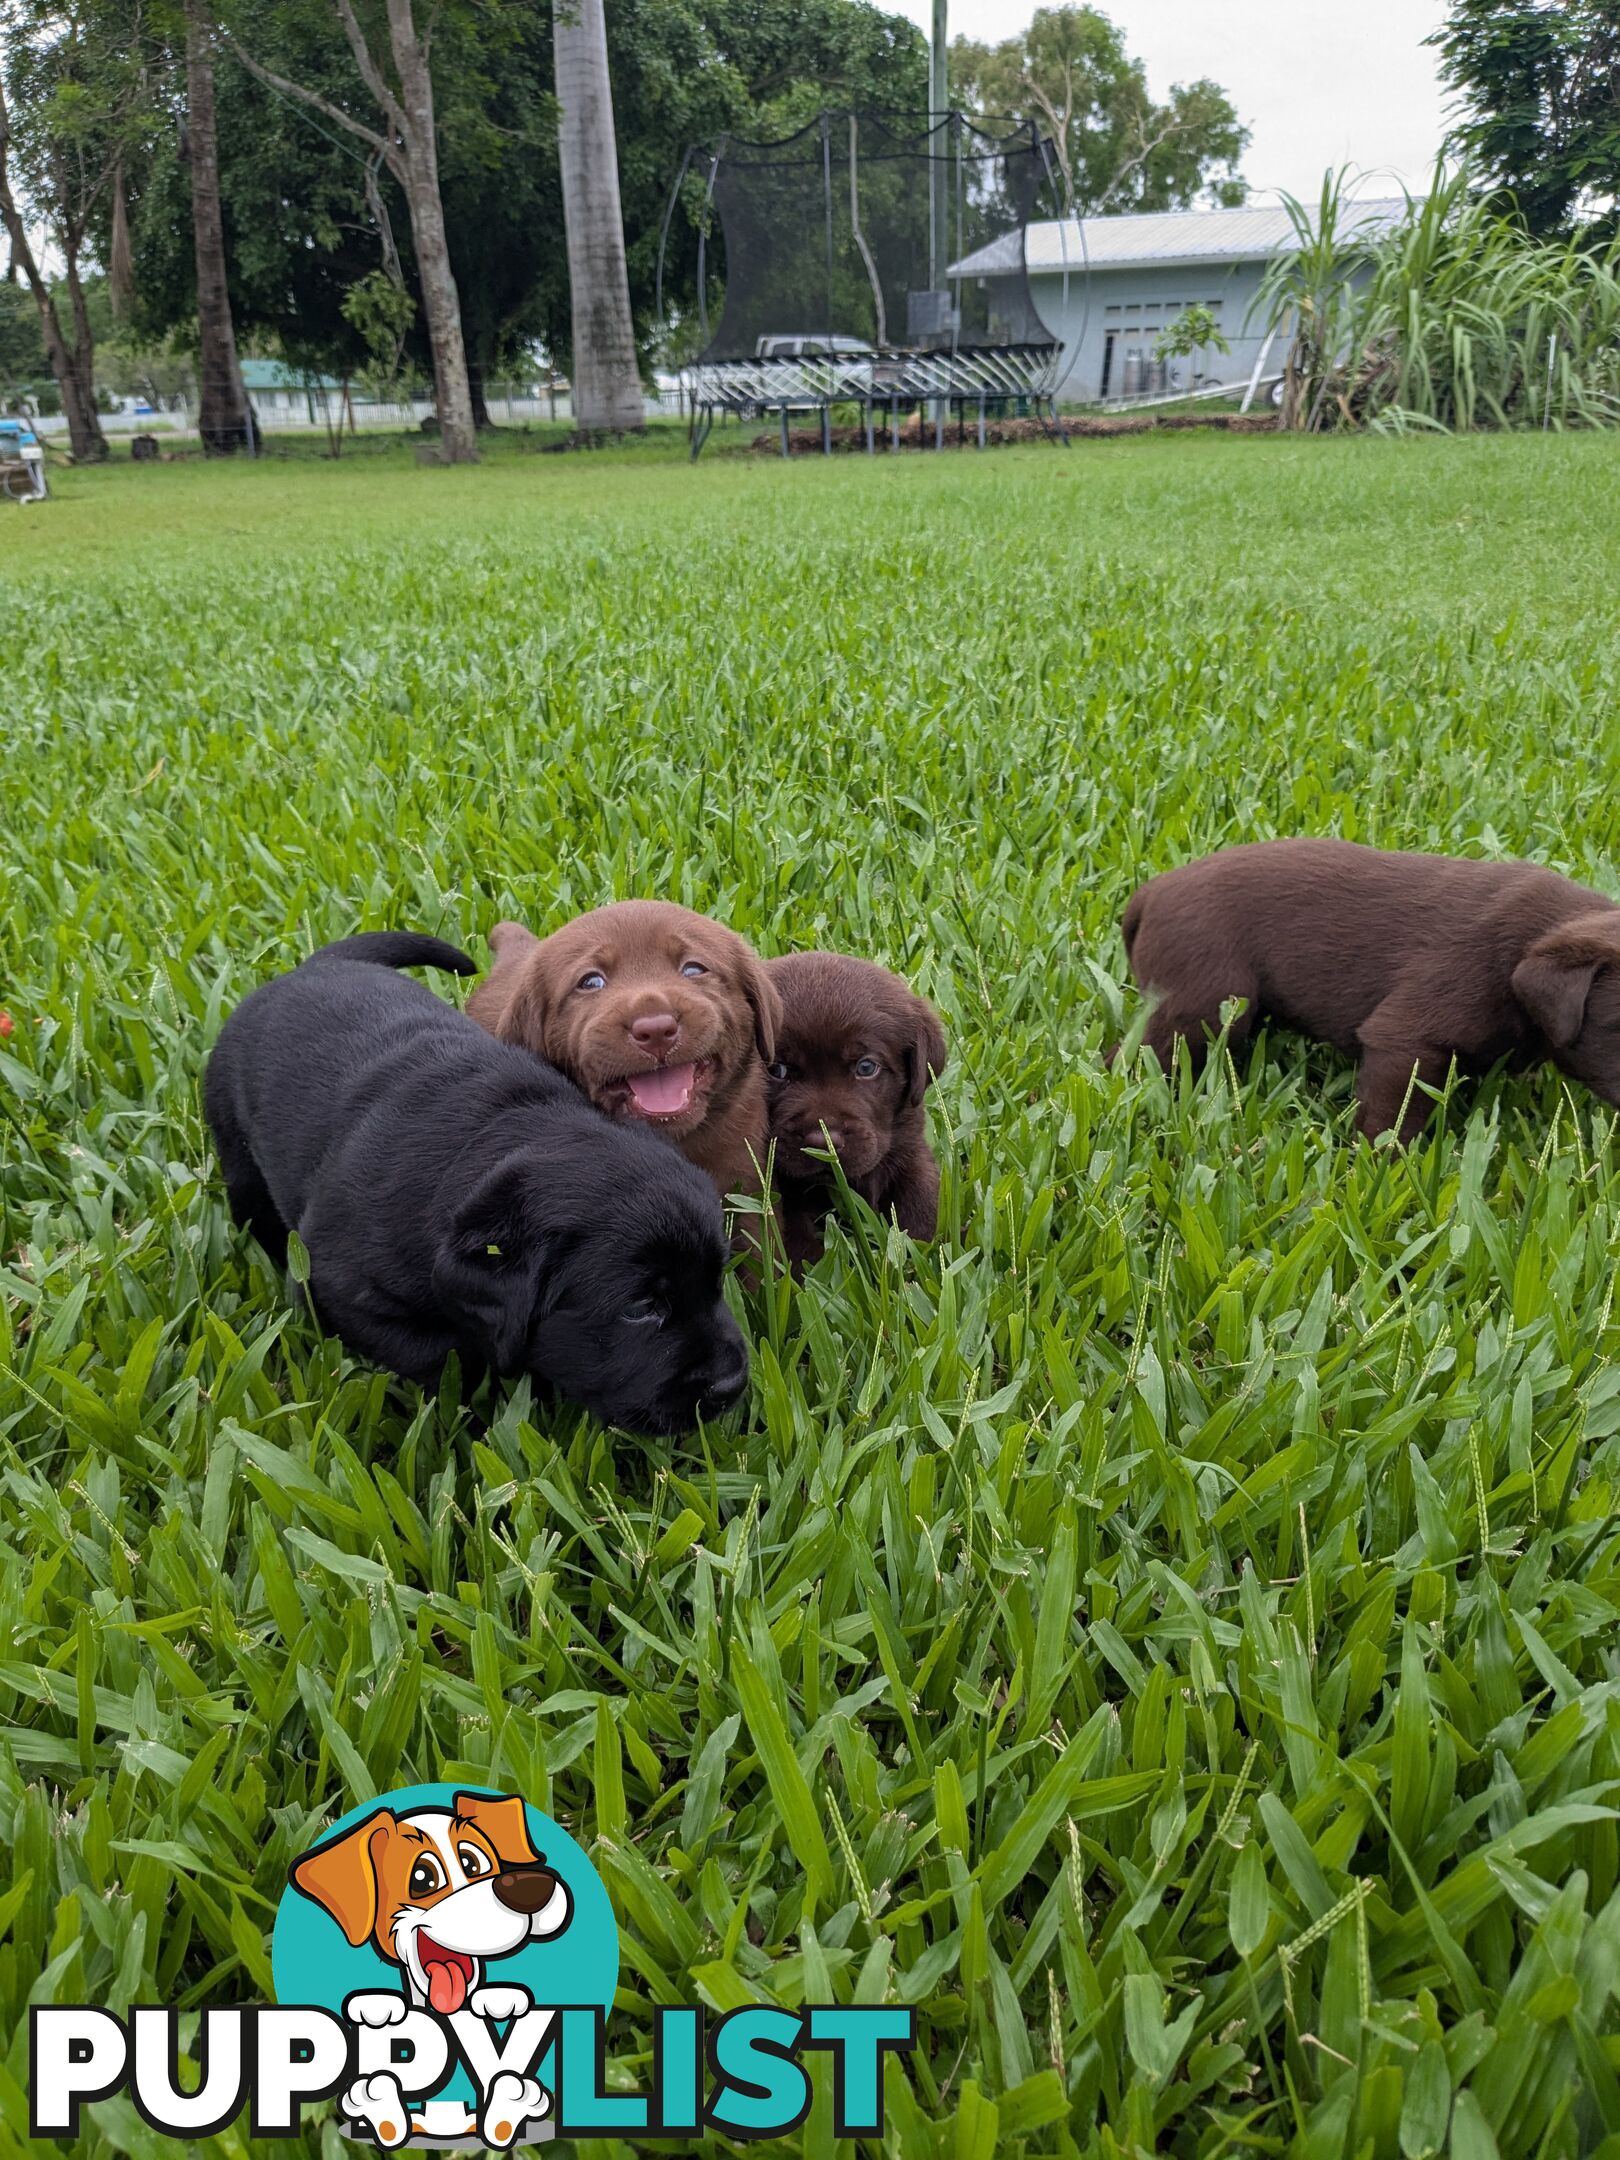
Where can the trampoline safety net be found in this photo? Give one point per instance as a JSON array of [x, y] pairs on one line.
[[837, 247]]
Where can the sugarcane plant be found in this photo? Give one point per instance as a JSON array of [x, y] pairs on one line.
[[1453, 318]]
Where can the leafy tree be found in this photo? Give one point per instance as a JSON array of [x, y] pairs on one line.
[[683, 72], [1117, 149], [308, 214], [70, 105], [499, 178], [23, 358], [298, 230], [133, 367], [393, 60], [1194, 330], [382, 311], [1539, 88]]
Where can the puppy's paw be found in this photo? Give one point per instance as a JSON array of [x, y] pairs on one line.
[[510, 2102], [500, 2003], [376, 2010], [378, 2101]]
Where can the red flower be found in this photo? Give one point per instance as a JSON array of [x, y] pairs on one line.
[[6, 1023]]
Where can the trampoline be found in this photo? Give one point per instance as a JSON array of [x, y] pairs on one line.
[[838, 249]]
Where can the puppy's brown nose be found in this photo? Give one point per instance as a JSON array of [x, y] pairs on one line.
[[814, 1136], [655, 1032], [525, 1889]]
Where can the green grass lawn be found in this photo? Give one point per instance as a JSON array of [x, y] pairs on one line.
[[1167, 1632]]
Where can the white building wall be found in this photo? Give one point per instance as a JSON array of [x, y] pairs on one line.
[[1106, 318]]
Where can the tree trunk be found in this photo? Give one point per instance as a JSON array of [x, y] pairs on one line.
[[458, 438], [223, 419], [84, 339], [120, 265], [83, 422], [85, 439], [72, 365], [607, 383], [475, 385]]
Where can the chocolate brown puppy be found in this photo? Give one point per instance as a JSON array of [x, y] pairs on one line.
[[1404, 962], [855, 1053], [663, 1017]]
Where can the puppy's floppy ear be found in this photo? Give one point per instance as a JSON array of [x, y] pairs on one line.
[[503, 1822], [766, 1000], [1553, 981], [511, 1001], [342, 1876], [511, 942], [489, 1261], [926, 1053]]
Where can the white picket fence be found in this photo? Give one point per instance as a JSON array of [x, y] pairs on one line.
[[300, 411]]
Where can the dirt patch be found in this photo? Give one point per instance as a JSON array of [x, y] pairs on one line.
[[1232, 423]]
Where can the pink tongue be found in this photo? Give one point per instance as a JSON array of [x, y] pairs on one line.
[[661, 1094], [447, 1988]]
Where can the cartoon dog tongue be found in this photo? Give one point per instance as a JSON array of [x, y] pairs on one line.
[[447, 1983], [663, 1093]]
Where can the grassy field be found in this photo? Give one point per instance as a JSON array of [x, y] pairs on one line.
[[1167, 1631]]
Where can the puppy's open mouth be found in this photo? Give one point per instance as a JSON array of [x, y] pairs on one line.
[[661, 1095], [448, 1972]]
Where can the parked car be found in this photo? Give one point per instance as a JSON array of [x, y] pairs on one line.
[[851, 359]]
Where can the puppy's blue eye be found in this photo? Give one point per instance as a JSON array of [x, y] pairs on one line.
[[694, 968], [866, 1068], [778, 1071], [646, 1312], [595, 980]]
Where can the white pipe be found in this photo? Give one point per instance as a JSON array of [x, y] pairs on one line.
[[1259, 370], [1165, 397]]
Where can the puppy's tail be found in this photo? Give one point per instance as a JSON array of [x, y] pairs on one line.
[[397, 949]]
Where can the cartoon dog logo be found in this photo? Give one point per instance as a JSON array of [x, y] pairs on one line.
[[439, 1893]]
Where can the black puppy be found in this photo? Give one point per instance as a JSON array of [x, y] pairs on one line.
[[454, 1193]]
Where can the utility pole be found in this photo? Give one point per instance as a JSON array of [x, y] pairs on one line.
[[939, 195], [939, 105]]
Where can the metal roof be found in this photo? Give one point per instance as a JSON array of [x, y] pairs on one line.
[[1166, 237], [277, 375]]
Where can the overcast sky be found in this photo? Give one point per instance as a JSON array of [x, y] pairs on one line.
[[1317, 83]]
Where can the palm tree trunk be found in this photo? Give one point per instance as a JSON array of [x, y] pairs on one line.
[[223, 419], [607, 382]]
